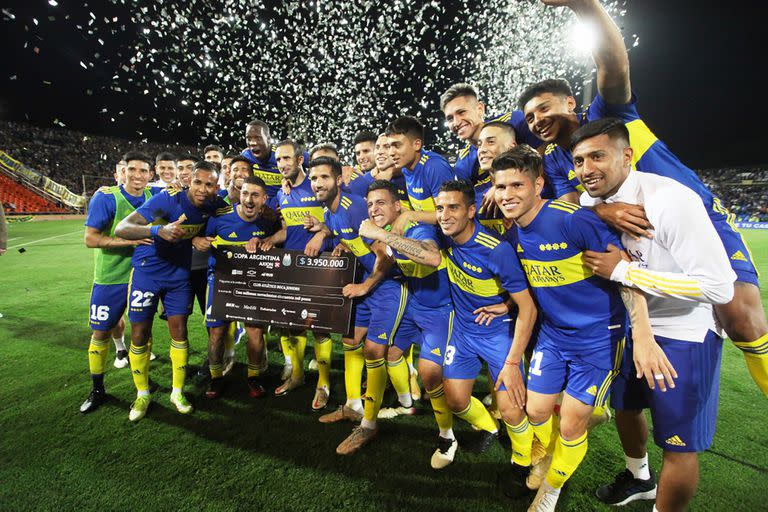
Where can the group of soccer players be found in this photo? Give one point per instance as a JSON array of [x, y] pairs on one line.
[[569, 253]]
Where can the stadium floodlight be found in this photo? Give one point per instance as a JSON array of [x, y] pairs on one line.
[[583, 38]]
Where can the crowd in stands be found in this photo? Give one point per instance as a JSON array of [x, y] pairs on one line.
[[66, 155]]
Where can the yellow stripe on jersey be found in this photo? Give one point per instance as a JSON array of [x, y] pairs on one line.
[[295, 216], [561, 208], [641, 138], [473, 285], [357, 246], [565, 205], [543, 274], [405, 204], [682, 287], [486, 240], [602, 392], [346, 203], [503, 117], [410, 268], [494, 224], [218, 241], [172, 191], [273, 179], [464, 152], [422, 205], [224, 210]]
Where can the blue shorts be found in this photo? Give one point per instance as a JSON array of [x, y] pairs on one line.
[[684, 417], [585, 378], [429, 328], [468, 348], [738, 253], [381, 310], [108, 303], [209, 320], [145, 292]]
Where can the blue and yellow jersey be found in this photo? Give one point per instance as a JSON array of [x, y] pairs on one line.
[[359, 184], [429, 286], [294, 207], [578, 308], [228, 228], [163, 259], [266, 170], [482, 271], [423, 182], [650, 155]]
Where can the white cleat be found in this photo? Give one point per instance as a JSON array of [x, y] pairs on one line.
[[121, 362], [387, 413], [286, 374], [180, 401], [313, 364], [546, 499], [139, 407], [152, 356], [228, 363], [445, 452]]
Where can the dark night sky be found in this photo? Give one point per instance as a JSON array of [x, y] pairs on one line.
[[695, 72]]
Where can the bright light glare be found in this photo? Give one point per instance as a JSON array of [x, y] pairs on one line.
[[583, 37]]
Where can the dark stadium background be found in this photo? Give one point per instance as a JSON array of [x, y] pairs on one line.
[[697, 69]]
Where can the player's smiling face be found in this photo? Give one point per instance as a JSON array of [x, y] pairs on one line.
[[403, 150], [252, 200], [137, 174], [383, 209], [185, 177], [240, 171], [464, 116], [213, 156], [364, 155], [287, 162], [493, 142], [257, 139], [548, 114], [453, 213], [225, 169], [202, 187], [166, 169], [515, 192], [324, 184], [602, 164], [381, 152]]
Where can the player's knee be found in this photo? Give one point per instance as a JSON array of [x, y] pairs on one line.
[[393, 354], [537, 413], [456, 403], [572, 428], [372, 350]]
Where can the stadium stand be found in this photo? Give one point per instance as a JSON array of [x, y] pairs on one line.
[[17, 198], [743, 190]]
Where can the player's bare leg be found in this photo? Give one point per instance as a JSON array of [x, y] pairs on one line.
[[512, 480], [678, 481], [744, 320], [354, 361], [458, 395], [216, 338]]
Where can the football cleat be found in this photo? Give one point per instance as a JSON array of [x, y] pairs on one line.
[[484, 441], [387, 413], [121, 359], [215, 388], [444, 453], [626, 488], [321, 399], [139, 407], [538, 470], [288, 386], [255, 389], [342, 413], [512, 481], [180, 401], [546, 499], [95, 398], [359, 437]]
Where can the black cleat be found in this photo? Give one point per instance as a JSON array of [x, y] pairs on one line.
[[511, 481], [483, 442], [215, 388], [94, 400], [626, 488]]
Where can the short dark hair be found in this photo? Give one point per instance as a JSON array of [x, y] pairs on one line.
[[504, 126], [187, 156], [259, 123], [522, 158], [229, 156], [255, 180], [554, 86], [457, 91], [463, 186], [406, 125], [165, 155], [365, 136], [240, 158], [297, 149], [384, 185], [213, 147], [137, 155], [326, 160], [611, 126], [323, 146], [204, 165]]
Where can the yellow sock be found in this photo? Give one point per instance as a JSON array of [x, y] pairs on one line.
[[756, 357], [300, 346], [568, 456], [179, 358], [521, 438], [286, 343], [543, 432], [443, 415], [409, 358], [253, 370], [377, 383], [353, 370], [399, 375], [98, 351], [323, 351], [217, 370], [476, 414], [229, 338], [139, 359]]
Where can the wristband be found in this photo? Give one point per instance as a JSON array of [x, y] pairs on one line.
[[154, 231]]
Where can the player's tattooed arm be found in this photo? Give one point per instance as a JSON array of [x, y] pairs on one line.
[[421, 251], [136, 227], [95, 239], [650, 361], [610, 54]]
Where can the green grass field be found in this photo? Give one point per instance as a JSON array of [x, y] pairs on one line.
[[271, 454]]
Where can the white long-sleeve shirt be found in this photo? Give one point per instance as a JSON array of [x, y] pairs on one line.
[[684, 268]]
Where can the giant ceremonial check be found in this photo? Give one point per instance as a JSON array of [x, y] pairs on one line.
[[283, 288]]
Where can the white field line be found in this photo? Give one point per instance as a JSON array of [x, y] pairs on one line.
[[44, 239]]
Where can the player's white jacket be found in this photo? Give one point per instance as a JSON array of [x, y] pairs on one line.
[[684, 268]]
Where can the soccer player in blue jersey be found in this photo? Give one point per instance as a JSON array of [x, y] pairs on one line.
[[295, 206], [112, 267], [261, 154], [378, 308], [425, 171], [161, 272], [384, 169], [165, 170], [241, 225], [550, 112], [683, 270], [580, 344]]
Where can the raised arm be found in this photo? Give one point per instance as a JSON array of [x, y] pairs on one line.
[[425, 252]]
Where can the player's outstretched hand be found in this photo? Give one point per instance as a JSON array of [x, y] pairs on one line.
[[314, 246], [339, 250], [254, 244], [651, 362], [346, 173], [285, 185], [512, 379], [267, 244], [487, 313], [488, 206], [202, 243], [173, 232], [353, 290], [603, 263], [627, 218]]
